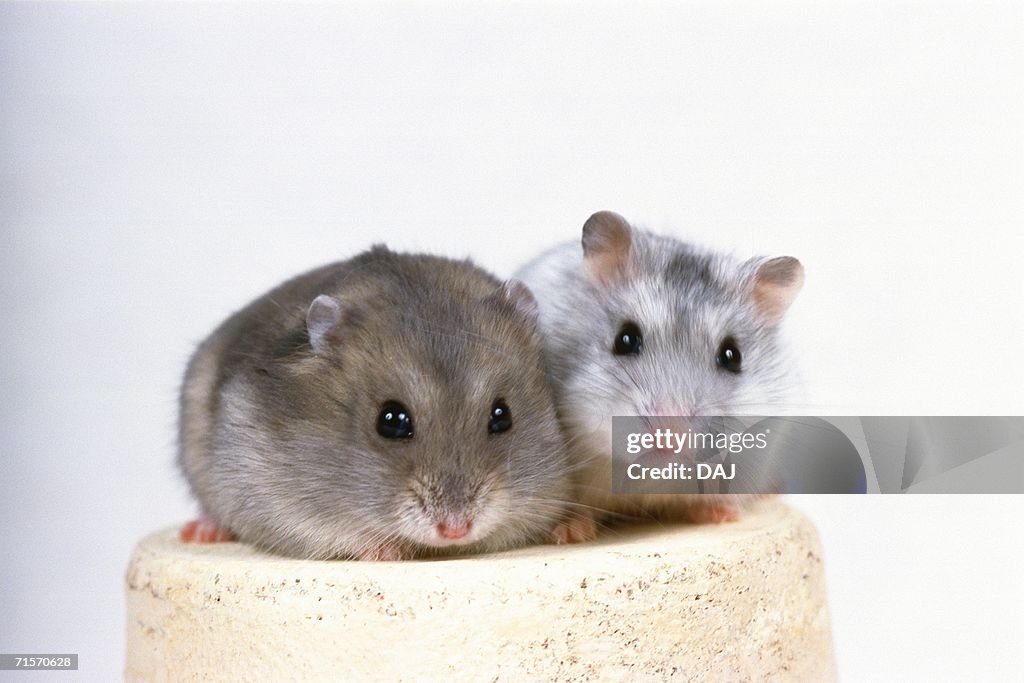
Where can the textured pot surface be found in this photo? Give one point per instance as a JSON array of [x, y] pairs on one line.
[[740, 601]]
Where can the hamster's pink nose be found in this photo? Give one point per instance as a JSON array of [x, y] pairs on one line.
[[453, 529], [672, 409]]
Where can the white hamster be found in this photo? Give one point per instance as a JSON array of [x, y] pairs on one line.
[[641, 324]]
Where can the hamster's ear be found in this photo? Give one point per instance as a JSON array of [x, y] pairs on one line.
[[517, 296], [325, 322], [607, 241], [775, 282]]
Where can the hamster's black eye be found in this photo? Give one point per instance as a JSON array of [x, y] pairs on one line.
[[394, 421], [501, 418], [628, 341], [729, 357]]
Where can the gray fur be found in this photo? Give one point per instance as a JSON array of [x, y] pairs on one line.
[[279, 440], [686, 300]]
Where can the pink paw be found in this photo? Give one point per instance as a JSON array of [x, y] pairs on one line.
[[577, 528], [713, 513], [204, 530], [383, 553]]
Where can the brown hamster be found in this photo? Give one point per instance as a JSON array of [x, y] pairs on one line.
[[386, 407], [642, 324]]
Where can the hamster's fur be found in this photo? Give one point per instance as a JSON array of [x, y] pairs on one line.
[[686, 302], [280, 407]]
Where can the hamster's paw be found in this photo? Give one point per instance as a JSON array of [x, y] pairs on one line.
[[713, 513], [204, 530], [384, 552], [578, 527]]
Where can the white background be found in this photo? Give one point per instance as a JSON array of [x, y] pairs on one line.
[[160, 166]]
